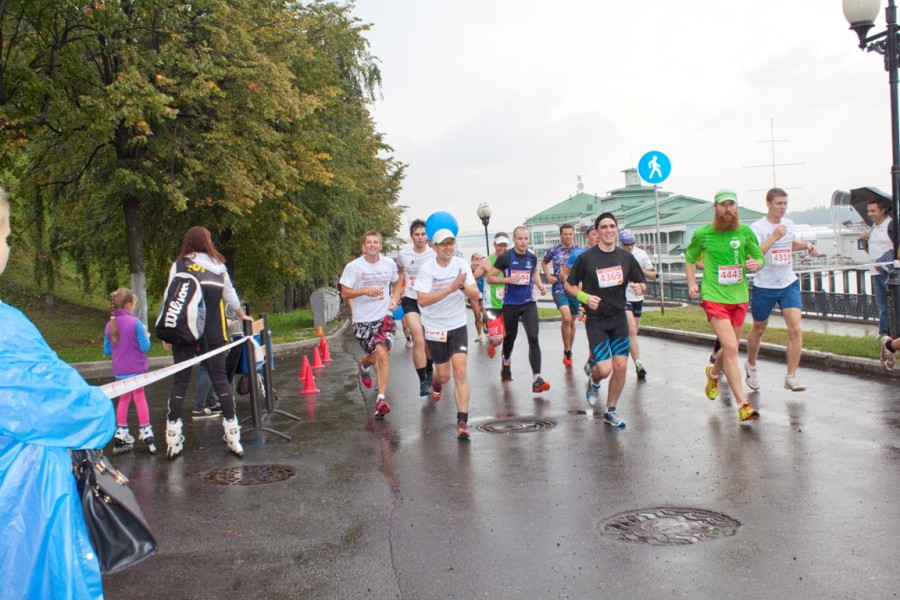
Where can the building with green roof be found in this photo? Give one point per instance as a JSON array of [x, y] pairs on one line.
[[633, 205]]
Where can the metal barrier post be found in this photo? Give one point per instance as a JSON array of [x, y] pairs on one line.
[[256, 413], [267, 372]]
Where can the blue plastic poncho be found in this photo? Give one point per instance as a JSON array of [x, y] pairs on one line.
[[46, 407]]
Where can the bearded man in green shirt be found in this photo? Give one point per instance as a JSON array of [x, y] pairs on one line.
[[729, 250]]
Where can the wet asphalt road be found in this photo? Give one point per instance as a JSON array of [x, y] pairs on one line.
[[401, 509]]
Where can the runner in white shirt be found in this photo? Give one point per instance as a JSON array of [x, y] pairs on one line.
[[777, 283], [443, 285], [634, 302], [372, 281], [409, 261]]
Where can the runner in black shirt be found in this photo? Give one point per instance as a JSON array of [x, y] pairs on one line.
[[598, 279]]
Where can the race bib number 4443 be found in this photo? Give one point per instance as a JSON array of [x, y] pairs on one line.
[[731, 274], [610, 277]]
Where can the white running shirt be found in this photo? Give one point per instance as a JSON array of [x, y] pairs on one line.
[[643, 259], [449, 313], [778, 271], [360, 273], [411, 261]]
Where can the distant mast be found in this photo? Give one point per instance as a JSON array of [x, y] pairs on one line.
[[774, 163], [580, 186]]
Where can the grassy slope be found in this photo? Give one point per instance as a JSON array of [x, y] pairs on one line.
[[73, 322]]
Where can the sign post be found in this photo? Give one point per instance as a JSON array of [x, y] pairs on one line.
[[654, 167]]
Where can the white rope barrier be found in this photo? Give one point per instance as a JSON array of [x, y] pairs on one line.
[[123, 386]]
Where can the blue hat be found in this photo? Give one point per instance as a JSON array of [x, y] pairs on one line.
[[626, 236]]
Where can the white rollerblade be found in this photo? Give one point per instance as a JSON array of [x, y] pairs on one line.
[[232, 436], [174, 439], [147, 438]]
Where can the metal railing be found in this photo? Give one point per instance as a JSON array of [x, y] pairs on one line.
[[818, 301]]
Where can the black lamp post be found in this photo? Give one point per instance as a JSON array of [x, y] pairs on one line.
[[484, 213], [861, 15]]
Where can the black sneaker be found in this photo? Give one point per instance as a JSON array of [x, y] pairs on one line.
[[216, 410], [505, 373], [205, 413]]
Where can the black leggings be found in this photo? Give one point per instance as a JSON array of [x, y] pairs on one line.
[[215, 366], [528, 314]]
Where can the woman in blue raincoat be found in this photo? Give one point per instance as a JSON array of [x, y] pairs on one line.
[[45, 409]]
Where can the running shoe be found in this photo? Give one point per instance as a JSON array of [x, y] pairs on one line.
[[592, 393], [640, 370], [505, 373], [793, 384], [747, 412], [479, 338], [492, 349], [611, 418], [381, 409], [462, 430], [204, 413], [567, 358], [436, 391], [588, 367], [712, 385], [409, 343], [365, 378], [424, 388], [539, 385], [888, 359], [752, 377]]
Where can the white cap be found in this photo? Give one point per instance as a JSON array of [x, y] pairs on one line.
[[501, 240], [442, 234]]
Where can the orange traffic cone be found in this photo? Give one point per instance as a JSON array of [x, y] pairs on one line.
[[304, 367], [317, 359], [319, 330], [309, 383], [323, 347]]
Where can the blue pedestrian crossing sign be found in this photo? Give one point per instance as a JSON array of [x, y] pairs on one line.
[[654, 167]]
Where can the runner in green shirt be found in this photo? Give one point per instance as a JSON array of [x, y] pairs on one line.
[[729, 251]]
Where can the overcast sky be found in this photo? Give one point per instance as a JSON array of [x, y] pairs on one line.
[[507, 102]]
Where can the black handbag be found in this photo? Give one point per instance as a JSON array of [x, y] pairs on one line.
[[119, 532]]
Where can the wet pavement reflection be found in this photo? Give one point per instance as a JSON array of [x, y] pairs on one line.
[[399, 508]]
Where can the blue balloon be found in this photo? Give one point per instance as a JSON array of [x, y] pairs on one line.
[[440, 220], [398, 313]]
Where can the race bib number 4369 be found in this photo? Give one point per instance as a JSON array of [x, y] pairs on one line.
[[610, 277]]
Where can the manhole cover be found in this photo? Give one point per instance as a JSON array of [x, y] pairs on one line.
[[250, 475], [669, 526], [516, 425]]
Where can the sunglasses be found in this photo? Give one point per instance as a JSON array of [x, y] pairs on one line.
[[447, 243]]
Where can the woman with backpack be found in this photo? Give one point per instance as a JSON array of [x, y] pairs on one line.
[[199, 258]]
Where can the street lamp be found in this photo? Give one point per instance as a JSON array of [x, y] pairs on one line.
[[484, 213], [861, 15]]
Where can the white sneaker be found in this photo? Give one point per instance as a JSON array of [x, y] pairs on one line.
[[887, 357], [232, 436], [752, 377], [174, 439]]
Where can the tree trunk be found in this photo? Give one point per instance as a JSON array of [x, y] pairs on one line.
[[134, 241]]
